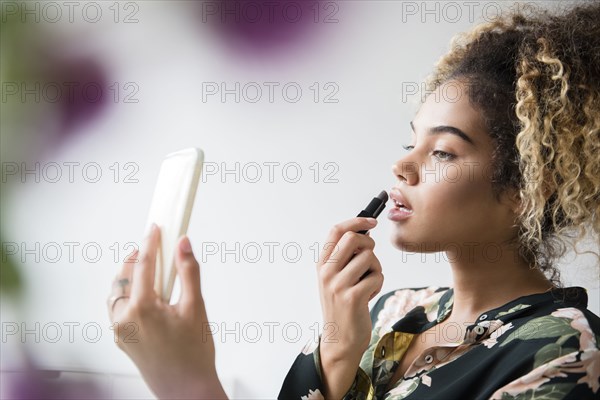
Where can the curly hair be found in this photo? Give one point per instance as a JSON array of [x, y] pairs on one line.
[[536, 81]]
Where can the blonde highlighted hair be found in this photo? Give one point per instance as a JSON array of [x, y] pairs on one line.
[[536, 80]]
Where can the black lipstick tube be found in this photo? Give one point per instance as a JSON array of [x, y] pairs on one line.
[[374, 208]]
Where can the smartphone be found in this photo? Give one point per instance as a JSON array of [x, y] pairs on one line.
[[171, 208]]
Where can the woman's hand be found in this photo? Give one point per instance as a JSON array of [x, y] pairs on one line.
[[171, 344], [345, 293]]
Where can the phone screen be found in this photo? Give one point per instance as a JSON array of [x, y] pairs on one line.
[[171, 208]]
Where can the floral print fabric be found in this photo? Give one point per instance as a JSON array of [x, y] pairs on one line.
[[542, 346]]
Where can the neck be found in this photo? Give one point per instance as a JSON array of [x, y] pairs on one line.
[[489, 277]]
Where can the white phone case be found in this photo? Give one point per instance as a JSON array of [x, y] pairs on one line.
[[171, 208]]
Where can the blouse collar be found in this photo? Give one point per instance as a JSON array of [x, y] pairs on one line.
[[416, 320]]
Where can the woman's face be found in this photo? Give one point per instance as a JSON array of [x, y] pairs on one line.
[[444, 176]]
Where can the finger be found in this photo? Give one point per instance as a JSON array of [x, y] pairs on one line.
[[132, 258], [114, 306], [349, 245], [142, 286], [119, 286], [363, 262], [189, 275], [369, 286], [338, 230], [374, 294]]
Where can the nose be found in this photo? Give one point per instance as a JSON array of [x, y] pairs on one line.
[[406, 171]]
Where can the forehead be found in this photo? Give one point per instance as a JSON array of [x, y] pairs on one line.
[[449, 105]]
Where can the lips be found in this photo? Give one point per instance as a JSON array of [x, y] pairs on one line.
[[402, 210], [399, 200]]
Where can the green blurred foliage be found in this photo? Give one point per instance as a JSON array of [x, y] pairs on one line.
[[13, 36], [10, 280]]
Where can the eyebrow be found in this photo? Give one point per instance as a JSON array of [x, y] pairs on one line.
[[436, 130]]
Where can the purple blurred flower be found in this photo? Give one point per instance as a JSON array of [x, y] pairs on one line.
[[53, 87], [40, 384], [262, 26], [84, 91]]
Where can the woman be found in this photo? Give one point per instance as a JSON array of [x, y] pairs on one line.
[[511, 127]]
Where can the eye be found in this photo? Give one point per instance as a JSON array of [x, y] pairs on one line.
[[408, 148], [442, 155]]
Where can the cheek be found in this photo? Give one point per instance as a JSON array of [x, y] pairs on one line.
[[447, 210], [440, 214], [460, 212], [457, 192], [451, 198]]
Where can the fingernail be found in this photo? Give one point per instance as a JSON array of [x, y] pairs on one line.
[[185, 245], [372, 221]]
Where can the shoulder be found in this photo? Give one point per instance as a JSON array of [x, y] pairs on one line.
[[560, 316], [557, 341], [567, 327], [563, 353], [563, 314], [571, 303], [580, 320]]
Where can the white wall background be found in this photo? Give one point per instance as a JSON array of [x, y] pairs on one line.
[[370, 54]]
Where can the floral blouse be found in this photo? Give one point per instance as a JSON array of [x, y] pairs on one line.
[[542, 346]]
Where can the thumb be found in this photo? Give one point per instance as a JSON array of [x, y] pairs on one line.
[[189, 275]]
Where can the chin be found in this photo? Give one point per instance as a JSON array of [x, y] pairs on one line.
[[403, 244], [414, 244]]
